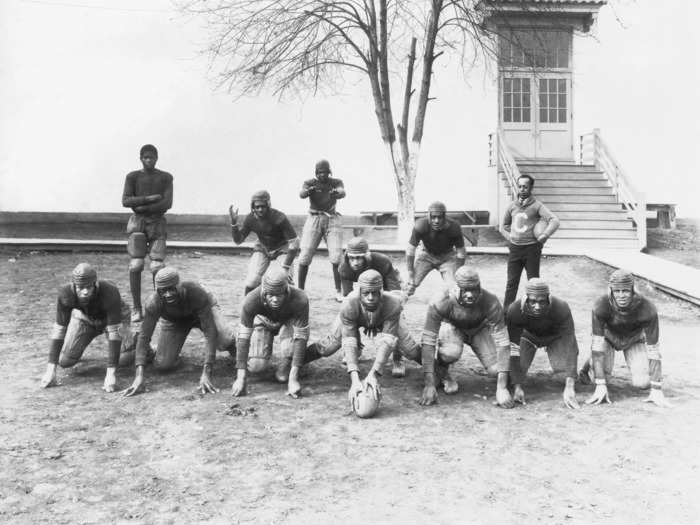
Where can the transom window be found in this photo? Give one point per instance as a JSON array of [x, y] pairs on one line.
[[530, 48], [516, 100], [552, 99]]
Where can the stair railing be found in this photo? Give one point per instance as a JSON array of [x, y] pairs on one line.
[[506, 163], [596, 152]]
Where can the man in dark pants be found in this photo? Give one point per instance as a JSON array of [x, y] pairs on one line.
[[525, 248], [149, 193]]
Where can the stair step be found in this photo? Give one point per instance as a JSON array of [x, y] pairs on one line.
[[566, 233], [525, 167], [565, 175], [592, 224], [572, 184], [581, 215], [577, 199], [543, 192], [597, 207]]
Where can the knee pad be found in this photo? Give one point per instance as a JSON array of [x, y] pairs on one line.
[[641, 382], [260, 352], [156, 265], [136, 245], [135, 265], [67, 361], [492, 370], [253, 282], [450, 352]]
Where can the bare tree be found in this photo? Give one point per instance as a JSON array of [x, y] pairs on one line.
[[305, 46]]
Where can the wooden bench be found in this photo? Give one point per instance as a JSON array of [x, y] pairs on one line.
[[381, 217], [665, 214]]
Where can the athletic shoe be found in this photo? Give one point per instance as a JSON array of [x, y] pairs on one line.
[[398, 369], [136, 316], [339, 297]]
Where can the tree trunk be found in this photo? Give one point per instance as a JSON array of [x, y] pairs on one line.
[[405, 170]]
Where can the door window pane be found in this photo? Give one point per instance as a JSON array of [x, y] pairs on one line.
[[516, 100], [534, 48], [553, 100]]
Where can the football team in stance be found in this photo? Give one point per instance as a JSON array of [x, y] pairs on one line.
[[503, 336]]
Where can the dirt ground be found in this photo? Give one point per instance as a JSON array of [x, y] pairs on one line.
[[74, 454], [681, 245]]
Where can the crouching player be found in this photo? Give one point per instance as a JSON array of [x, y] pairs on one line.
[[542, 320], [465, 314], [627, 322], [272, 308], [378, 313], [357, 259], [181, 306], [276, 236], [87, 307]]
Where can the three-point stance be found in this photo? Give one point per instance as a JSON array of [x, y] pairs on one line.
[[86, 308], [465, 314], [357, 259], [275, 233], [443, 247], [149, 193], [273, 308], [378, 313], [542, 320], [524, 248], [181, 306], [323, 222], [625, 321]]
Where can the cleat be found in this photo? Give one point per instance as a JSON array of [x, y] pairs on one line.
[[136, 316], [339, 297], [398, 369], [443, 377], [282, 372]]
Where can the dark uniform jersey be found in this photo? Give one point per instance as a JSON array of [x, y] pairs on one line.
[[274, 230], [376, 261], [555, 323], [437, 242], [192, 309], [623, 328], [139, 184], [486, 311], [322, 200], [294, 310], [384, 319], [103, 308]]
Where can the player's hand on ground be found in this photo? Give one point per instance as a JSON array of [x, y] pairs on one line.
[[110, 382], [429, 395], [355, 388], [569, 395], [239, 387], [293, 388], [135, 388], [656, 396], [600, 394], [49, 377], [233, 213], [519, 395], [504, 399], [205, 384], [372, 381]]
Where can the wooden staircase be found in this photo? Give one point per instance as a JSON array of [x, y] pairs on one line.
[[583, 199]]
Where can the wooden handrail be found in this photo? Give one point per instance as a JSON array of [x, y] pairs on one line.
[[595, 151], [507, 164]]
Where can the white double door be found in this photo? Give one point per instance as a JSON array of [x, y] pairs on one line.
[[536, 116]]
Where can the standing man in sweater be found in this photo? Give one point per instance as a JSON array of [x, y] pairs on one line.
[[525, 249], [323, 222], [149, 193]]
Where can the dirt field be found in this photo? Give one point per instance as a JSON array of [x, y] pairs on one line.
[[74, 454]]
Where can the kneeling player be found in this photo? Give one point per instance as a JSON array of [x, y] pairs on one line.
[[272, 308], [465, 314], [357, 259], [378, 313], [542, 320], [85, 308], [181, 307], [627, 322]]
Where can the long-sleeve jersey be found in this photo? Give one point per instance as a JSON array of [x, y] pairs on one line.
[[192, 308], [437, 242], [520, 219], [485, 312], [623, 328], [375, 261], [384, 319], [103, 309], [294, 310], [274, 230], [555, 323], [140, 184], [326, 194]]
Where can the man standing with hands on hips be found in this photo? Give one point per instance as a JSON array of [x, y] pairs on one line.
[[524, 245]]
